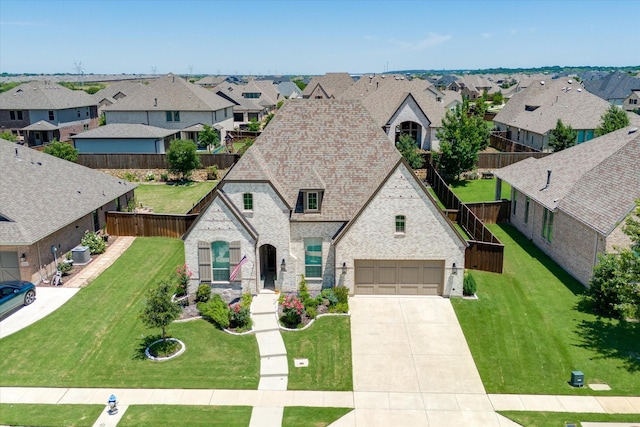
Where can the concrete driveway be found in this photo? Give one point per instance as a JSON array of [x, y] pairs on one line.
[[48, 299], [412, 366]]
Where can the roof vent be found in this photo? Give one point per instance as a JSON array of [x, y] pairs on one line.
[[542, 82], [569, 81], [632, 130], [579, 90]]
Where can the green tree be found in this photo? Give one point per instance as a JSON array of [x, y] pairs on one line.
[[182, 157], [409, 150], [613, 119], [62, 150], [159, 311], [614, 288], [462, 137], [301, 85], [562, 137], [254, 125], [102, 120], [267, 120], [497, 98], [208, 137], [8, 136]]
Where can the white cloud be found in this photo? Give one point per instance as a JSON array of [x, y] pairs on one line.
[[431, 41]]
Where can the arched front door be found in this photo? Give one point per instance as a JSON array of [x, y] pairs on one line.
[[268, 266], [413, 129]]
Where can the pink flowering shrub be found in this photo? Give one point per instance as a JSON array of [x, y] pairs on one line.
[[239, 316], [292, 310], [183, 275]]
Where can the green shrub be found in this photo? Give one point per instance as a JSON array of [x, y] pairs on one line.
[[310, 303], [331, 296], [246, 300], [129, 176], [469, 285], [292, 310], [216, 311], [342, 293], [239, 316], [164, 177], [64, 267], [311, 312], [95, 243], [339, 308], [203, 294], [212, 172], [150, 177]]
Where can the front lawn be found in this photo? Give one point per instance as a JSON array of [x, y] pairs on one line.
[[97, 339], [327, 345], [546, 419], [49, 415], [527, 331], [480, 190], [299, 416], [180, 415], [172, 198]]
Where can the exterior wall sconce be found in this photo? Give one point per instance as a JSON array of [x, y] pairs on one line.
[[23, 258], [454, 269], [344, 268], [283, 265]]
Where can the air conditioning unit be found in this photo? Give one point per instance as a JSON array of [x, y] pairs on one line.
[[80, 255]]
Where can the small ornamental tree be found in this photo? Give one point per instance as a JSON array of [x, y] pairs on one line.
[[409, 150], [159, 311], [208, 137], [62, 150], [254, 125], [613, 119], [462, 136], [183, 158], [562, 137]]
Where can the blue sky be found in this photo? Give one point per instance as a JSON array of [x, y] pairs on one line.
[[313, 37]]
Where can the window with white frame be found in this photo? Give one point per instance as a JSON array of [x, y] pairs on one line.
[[220, 261], [313, 257], [400, 224], [247, 201], [312, 201]]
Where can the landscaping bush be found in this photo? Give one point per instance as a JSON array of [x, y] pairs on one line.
[[212, 172], [215, 310], [292, 310], [95, 243], [339, 308], [330, 295], [203, 294], [342, 293], [311, 312], [246, 300], [239, 317], [469, 285], [65, 267], [129, 176], [183, 275], [164, 177], [149, 177]]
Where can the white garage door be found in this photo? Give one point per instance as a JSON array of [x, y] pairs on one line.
[[392, 277]]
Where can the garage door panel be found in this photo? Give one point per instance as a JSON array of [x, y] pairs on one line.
[[399, 277], [9, 267]]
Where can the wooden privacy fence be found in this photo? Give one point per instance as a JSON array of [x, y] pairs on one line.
[[149, 161], [502, 143], [491, 212], [202, 203], [148, 224], [495, 160], [485, 252]]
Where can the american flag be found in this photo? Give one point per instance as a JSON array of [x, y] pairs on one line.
[[236, 269]]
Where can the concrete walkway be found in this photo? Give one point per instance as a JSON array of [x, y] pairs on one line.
[[97, 266], [274, 368]]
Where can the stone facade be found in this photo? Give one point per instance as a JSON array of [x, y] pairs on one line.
[[409, 111], [428, 236]]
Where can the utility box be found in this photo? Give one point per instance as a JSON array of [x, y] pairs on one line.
[[577, 379], [80, 255]]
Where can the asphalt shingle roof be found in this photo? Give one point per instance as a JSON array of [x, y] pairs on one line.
[[171, 93], [108, 93], [39, 193], [44, 96], [124, 130], [595, 182], [332, 83], [333, 144], [616, 85]]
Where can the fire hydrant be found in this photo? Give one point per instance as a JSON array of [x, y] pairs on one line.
[[112, 405]]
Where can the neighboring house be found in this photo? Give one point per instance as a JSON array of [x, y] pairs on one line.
[[572, 204], [451, 99], [263, 92], [632, 102], [125, 138], [473, 86], [614, 88], [211, 81], [289, 90], [43, 111], [245, 108], [115, 92], [445, 82], [170, 102], [329, 86], [47, 205], [531, 114], [307, 199]]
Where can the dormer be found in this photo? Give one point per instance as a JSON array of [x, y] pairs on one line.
[[311, 193]]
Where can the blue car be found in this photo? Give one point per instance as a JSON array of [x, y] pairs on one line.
[[15, 293]]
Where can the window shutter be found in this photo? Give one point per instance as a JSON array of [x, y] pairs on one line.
[[204, 261], [234, 258]]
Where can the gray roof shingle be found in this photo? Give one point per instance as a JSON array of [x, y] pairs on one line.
[[124, 130], [44, 96], [40, 194], [334, 144], [332, 83], [595, 182], [616, 85]]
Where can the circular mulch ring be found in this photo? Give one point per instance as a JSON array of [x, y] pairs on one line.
[[161, 359]]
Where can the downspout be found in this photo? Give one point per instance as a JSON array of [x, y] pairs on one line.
[[595, 250]]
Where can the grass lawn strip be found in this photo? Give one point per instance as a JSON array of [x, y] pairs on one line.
[[527, 333], [180, 415], [97, 340], [480, 190], [299, 416], [49, 415], [172, 198], [546, 419], [327, 345]]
